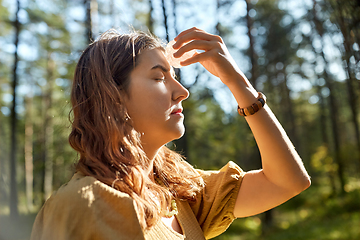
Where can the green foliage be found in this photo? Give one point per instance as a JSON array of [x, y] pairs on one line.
[[4, 18]]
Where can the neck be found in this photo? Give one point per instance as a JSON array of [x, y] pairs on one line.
[[150, 153]]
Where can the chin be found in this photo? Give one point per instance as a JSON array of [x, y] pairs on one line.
[[179, 133]]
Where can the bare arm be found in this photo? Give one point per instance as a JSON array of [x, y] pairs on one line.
[[283, 175]]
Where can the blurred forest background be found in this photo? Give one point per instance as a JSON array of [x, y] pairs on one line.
[[304, 55]]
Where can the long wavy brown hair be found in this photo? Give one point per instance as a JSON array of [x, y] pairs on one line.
[[102, 133]]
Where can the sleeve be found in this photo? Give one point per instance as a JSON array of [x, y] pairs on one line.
[[87, 209], [214, 205]]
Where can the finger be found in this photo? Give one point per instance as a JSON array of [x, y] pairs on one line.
[[198, 57], [186, 32], [194, 45], [195, 35]]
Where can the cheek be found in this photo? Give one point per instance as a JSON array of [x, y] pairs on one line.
[[150, 104], [156, 98]]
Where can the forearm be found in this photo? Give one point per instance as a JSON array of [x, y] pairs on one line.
[[281, 163]]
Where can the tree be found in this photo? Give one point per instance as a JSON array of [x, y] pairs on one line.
[[28, 149], [165, 21], [150, 22], [348, 20], [333, 105], [88, 21], [13, 184], [53, 45], [5, 75], [49, 127], [252, 53]]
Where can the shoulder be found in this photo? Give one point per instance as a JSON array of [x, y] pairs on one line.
[[231, 170], [86, 194], [87, 190], [87, 207]]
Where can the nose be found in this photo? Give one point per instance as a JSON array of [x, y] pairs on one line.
[[180, 93]]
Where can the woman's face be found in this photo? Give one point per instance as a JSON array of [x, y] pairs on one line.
[[154, 99]]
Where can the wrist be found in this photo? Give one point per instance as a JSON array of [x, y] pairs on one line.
[[253, 108], [245, 94], [240, 83]]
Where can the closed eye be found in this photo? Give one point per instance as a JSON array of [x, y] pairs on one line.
[[163, 78], [160, 79]]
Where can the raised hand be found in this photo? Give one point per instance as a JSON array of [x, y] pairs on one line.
[[215, 56]]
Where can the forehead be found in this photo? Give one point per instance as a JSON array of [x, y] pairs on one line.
[[148, 59]]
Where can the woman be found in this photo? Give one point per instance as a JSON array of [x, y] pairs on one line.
[[128, 185]]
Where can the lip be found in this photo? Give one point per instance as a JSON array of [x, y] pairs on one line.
[[177, 111]]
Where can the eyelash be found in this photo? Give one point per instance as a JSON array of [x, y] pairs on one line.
[[160, 79], [164, 79]]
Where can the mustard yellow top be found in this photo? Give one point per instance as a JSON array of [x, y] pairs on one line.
[[86, 208]]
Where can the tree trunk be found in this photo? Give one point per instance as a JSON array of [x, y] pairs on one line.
[[165, 21], [290, 115], [217, 27], [353, 102], [253, 55], [325, 138], [29, 152], [88, 22], [334, 122], [48, 129], [13, 118], [1, 154], [323, 126], [268, 221], [350, 81], [150, 22], [333, 106]]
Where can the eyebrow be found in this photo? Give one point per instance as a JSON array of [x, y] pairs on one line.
[[158, 66], [164, 69]]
